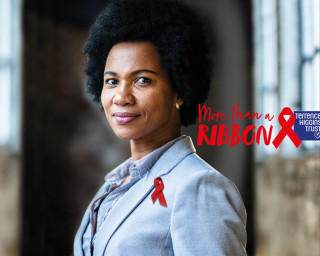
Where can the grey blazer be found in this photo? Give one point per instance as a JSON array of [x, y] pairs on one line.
[[205, 213]]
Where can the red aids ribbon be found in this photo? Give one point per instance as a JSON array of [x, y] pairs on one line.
[[286, 128], [158, 183]]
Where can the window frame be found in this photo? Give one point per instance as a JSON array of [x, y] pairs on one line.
[[276, 12], [11, 109]]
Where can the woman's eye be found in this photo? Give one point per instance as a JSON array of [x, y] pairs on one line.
[[111, 82], [143, 80]]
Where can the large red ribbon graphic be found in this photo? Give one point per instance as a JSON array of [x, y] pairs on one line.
[[158, 183], [286, 128]]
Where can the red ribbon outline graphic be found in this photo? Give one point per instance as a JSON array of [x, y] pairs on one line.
[[286, 128], [158, 183]]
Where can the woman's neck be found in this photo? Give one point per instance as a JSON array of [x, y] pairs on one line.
[[141, 148]]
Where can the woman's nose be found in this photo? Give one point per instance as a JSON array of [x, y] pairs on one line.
[[123, 95]]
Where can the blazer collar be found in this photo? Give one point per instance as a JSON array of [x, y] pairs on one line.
[[172, 157], [129, 201]]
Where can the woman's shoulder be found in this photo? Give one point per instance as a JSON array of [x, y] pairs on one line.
[[194, 167]]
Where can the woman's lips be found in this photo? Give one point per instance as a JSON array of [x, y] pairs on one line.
[[125, 117]]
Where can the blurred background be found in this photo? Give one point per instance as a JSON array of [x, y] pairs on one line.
[[56, 146]]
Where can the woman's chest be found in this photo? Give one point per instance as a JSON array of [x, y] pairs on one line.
[[144, 231]]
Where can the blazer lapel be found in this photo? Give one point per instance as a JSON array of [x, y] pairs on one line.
[[86, 219], [138, 192]]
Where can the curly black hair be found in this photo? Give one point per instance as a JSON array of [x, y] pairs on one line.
[[178, 35]]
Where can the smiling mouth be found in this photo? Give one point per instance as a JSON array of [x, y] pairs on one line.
[[124, 117]]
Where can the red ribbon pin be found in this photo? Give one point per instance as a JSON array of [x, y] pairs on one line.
[[158, 183], [286, 128]]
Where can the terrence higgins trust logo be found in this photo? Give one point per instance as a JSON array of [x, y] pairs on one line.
[[296, 126], [307, 125]]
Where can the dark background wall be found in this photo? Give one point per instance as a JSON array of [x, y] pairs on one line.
[[68, 146]]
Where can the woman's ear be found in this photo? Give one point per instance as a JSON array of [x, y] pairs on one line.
[[178, 103]]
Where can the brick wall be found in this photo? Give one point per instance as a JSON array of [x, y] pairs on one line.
[[9, 203], [287, 207]]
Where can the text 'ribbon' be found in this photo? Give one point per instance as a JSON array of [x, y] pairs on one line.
[[158, 183], [286, 128]]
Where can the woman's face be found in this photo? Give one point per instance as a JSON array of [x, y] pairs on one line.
[[137, 97]]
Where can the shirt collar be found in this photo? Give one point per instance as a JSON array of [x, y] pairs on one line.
[[119, 172], [140, 167]]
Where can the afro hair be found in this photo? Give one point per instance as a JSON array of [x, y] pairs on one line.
[[178, 35]]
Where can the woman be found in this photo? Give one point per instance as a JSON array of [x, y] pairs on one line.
[[149, 67]]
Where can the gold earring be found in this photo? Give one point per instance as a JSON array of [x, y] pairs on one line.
[[177, 105]]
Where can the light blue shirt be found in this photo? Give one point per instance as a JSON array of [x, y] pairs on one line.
[[103, 205]]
